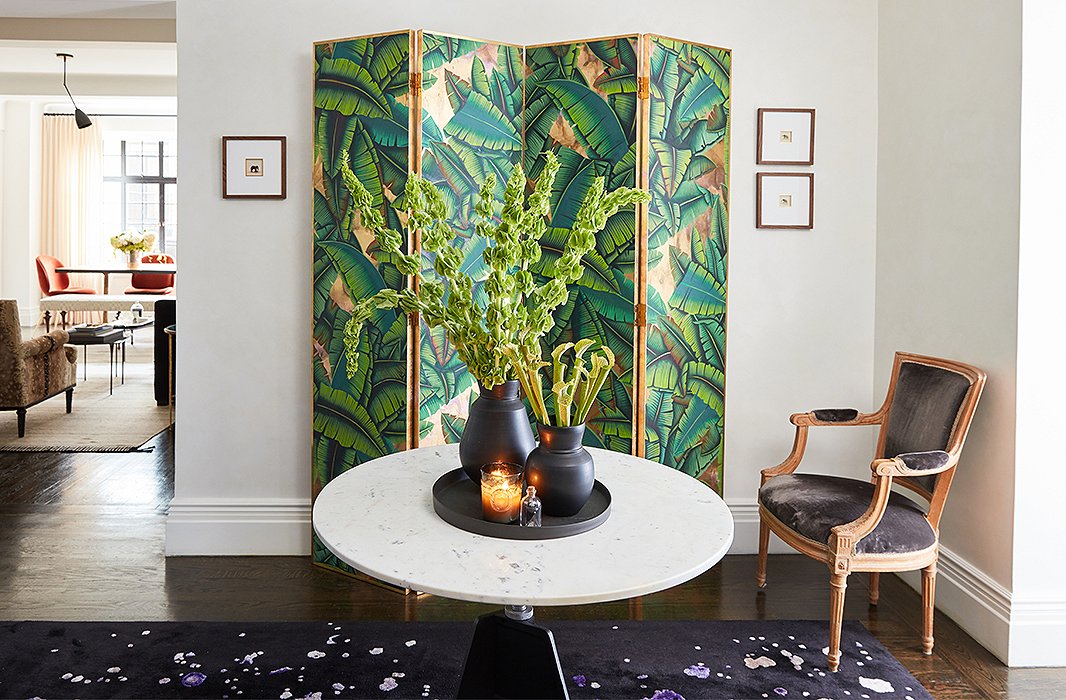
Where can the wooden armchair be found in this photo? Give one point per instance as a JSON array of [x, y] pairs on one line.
[[854, 525], [34, 370]]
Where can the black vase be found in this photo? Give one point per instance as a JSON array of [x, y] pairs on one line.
[[496, 431], [561, 469]]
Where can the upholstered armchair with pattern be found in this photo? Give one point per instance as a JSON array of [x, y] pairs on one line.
[[854, 525], [32, 370]]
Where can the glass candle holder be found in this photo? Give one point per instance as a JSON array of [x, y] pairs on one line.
[[501, 492]]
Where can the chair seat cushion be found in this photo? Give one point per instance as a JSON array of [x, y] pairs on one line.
[[73, 290], [813, 504], [150, 290]]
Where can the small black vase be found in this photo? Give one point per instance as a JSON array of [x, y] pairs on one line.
[[496, 431], [561, 469]]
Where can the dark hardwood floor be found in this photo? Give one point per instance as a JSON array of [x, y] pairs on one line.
[[81, 538]]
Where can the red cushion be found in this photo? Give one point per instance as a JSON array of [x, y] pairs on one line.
[[73, 290], [153, 290]]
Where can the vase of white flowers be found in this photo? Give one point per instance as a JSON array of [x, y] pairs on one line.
[[132, 244]]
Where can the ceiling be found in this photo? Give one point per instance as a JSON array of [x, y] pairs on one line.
[[89, 9], [90, 58]]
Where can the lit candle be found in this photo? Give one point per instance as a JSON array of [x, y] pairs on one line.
[[501, 492]]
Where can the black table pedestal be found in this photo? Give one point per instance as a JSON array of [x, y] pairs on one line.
[[512, 657]]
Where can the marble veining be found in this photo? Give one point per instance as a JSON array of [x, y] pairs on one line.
[[665, 528]]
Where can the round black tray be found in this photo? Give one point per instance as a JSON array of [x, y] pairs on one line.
[[457, 500]]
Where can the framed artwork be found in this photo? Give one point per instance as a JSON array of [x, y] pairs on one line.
[[786, 137], [784, 200], [253, 167]]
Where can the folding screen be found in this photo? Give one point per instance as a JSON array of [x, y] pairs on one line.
[[636, 110]]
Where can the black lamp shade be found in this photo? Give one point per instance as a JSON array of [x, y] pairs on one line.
[[82, 119]]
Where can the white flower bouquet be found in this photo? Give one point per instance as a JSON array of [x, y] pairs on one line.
[[130, 241]]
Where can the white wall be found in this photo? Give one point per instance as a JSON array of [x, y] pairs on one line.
[[800, 321], [969, 267], [1038, 592]]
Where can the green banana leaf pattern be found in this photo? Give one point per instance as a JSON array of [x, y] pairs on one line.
[[581, 103], [471, 127], [361, 92], [687, 244]]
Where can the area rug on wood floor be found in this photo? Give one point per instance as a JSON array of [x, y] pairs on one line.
[[100, 422], [618, 659]]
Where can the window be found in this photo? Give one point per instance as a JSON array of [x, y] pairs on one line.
[[141, 189]]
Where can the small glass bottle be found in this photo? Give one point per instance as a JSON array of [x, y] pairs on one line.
[[531, 508], [137, 310]]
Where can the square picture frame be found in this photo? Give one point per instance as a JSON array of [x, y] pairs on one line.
[[785, 136], [784, 200], [253, 167]]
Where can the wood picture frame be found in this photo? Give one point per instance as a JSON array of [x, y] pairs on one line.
[[254, 167], [784, 200], [785, 136]]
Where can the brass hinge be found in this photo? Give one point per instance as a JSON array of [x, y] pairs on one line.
[[641, 315], [416, 84], [642, 87]]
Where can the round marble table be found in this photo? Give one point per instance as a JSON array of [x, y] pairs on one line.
[[665, 528]]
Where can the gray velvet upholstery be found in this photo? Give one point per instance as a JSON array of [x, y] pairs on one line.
[[813, 504], [835, 415], [923, 411], [921, 461]]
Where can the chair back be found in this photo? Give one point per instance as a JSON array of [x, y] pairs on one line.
[[930, 405], [49, 278], [142, 281], [11, 362]]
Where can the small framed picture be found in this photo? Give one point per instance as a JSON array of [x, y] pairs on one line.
[[253, 167], [784, 200], [786, 137]]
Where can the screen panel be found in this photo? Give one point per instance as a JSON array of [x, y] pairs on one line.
[[581, 103], [361, 95], [688, 221], [471, 127]]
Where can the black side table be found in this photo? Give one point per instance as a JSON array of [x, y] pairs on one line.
[[112, 339]]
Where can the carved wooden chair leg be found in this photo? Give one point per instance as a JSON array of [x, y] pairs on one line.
[[764, 545], [875, 587], [838, 583], [928, 601]]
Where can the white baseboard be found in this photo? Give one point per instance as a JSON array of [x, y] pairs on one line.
[[976, 602], [1036, 632], [217, 527], [746, 529]]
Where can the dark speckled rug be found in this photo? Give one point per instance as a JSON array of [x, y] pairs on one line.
[[617, 659]]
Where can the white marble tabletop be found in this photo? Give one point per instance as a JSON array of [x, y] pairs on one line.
[[665, 528]]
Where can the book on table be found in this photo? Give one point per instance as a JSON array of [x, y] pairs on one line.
[[91, 329]]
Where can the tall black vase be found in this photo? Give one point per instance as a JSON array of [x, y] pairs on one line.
[[497, 430], [561, 469]]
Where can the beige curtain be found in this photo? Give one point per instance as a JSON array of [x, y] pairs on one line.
[[71, 197]]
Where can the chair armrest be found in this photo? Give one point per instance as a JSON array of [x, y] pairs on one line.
[[44, 344], [843, 538], [914, 464], [821, 416], [836, 416]]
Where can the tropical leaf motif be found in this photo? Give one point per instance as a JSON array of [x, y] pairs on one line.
[[359, 109], [482, 137], [688, 228], [595, 125], [348, 88], [480, 123], [340, 418]]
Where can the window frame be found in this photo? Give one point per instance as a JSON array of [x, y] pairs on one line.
[[157, 179]]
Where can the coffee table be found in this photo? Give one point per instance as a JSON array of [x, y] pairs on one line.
[[112, 339], [665, 528]]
